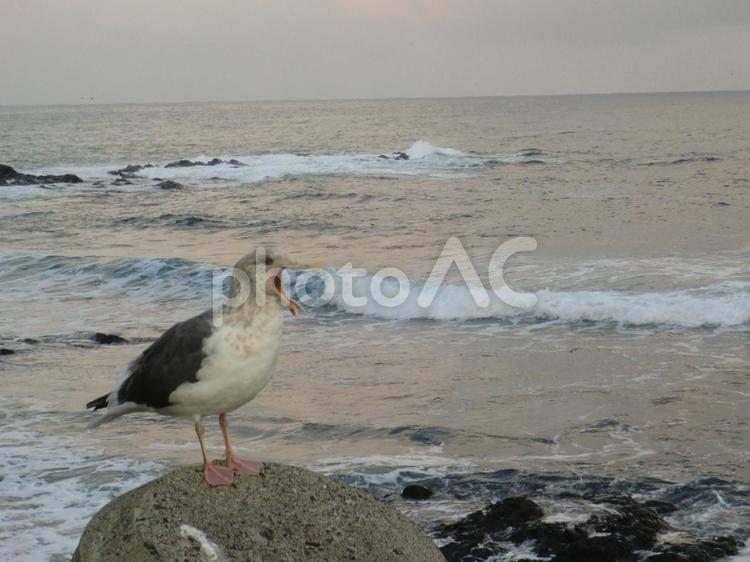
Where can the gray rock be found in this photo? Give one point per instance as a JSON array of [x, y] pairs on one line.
[[287, 513]]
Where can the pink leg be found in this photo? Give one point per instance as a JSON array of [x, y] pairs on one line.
[[239, 466], [213, 475]]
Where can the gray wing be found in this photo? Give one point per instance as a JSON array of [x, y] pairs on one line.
[[173, 359]]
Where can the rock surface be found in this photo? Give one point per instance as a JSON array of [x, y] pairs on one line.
[[287, 513], [9, 176], [416, 492], [189, 163], [100, 337], [622, 531]]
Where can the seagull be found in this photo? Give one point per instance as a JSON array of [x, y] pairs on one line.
[[212, 363]]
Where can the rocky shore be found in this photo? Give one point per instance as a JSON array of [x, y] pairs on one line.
[[287, 513], [9, 176], [622, 529]]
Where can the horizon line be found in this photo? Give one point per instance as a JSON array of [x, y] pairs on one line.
[[385, 98]]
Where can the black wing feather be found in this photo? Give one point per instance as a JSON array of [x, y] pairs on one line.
[[173, 359]]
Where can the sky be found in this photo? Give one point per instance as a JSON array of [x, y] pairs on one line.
[[106, 51]]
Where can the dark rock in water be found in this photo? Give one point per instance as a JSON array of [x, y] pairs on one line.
[[103, 338], [6, 351], [190, 163], [623, 531], [498, 517], [30, 341], [7, 173], [721, 204], [631, 525], [130, 170], [532, 162], [169, 184], [8, 176], [183, 164], [394, 156], [288, 513], [416, 492], [122, 181], [548, 536], [702, 551], [64, 178], [234, 162], [662, 508]]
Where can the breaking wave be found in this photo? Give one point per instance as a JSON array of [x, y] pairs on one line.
[[716, 305], [721, 304]]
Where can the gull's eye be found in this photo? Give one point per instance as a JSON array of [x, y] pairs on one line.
[[269, 260]]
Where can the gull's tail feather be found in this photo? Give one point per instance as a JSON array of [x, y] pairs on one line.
[[114, 412], [98, 403], [114, 409]]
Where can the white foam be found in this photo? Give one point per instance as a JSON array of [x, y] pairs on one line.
[[425, 159], [692, 308], [391, 469], [721, 304], [52, 485], [424, 149], [743, 555]]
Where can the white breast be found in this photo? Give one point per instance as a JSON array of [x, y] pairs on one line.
[[240, 358]]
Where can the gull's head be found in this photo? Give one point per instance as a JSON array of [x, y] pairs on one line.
[[264, 268]]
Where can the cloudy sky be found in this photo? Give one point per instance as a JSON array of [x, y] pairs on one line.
[[60, 51]]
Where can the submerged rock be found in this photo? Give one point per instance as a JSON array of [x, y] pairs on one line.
[[190, 163], [287, 513], [621, 531], [416, 492], [183, 164], [169, 184], [6, 351], [394, 156], [130, 170], [102, 338], [9, 176], [702, 551]]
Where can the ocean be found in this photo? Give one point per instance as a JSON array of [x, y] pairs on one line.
[[631, 371]]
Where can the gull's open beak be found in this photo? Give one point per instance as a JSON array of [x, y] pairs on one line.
[[278, 283]]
